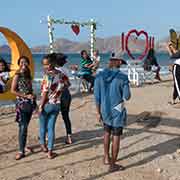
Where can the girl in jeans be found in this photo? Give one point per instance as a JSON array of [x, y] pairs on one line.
[[52, 87], [25, 102]]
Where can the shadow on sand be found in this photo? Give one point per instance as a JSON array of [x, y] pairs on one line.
[[86, 139]]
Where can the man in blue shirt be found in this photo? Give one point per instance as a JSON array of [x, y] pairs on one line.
[[111, 89]]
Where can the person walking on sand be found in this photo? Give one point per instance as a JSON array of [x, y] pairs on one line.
[[52, 87], [61, 60], [25, 102], [111, 89], [175, 68], [151, 64]]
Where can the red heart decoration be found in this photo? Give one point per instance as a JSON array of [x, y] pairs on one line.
[[146, 45], [75, 29]]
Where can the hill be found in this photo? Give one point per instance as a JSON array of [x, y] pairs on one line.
[[104, 45]]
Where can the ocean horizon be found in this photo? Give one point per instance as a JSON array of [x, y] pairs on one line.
[[162, 58]]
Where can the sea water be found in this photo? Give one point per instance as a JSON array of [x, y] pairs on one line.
[[162, 58]]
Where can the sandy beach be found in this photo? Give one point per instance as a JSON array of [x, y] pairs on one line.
[[149, 146]]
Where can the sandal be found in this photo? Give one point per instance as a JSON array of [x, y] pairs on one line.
[[44, 149], [29, 150], [51, 155], [68, 140], [19, 156], [172, 103]]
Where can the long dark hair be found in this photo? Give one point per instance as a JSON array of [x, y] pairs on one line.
[[56, 59], [61, 59], [51, 59], [84, 51], [6, 67], [151, 54], [23, 57], [26, 74]]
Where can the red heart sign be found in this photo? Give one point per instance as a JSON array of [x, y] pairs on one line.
[[146, 45], [75, 29]]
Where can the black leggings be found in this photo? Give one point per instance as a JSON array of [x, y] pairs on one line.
[[176, 77], [65, 106]]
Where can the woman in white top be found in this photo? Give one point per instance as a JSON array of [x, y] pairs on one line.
[[96, 60], [175, 68], [4, 75]]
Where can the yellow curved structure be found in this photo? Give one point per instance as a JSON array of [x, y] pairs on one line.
[[18, 48]]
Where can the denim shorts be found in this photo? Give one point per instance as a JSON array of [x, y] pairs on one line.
[[115, 131]]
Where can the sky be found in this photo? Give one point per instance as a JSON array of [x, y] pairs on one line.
[[114, 17]]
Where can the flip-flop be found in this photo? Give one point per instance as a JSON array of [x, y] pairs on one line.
[[116, 167], [19, 156], [173, 38], [68, 141], [44, 149], [171, 103], [51, 155], [29, 150]]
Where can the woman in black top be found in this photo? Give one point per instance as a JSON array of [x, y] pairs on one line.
[[152, 61], [25, 102]]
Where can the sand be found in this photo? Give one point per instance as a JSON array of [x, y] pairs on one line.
[[149, 146]]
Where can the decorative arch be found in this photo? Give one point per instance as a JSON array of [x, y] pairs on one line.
[[137, 33], [18, 48]]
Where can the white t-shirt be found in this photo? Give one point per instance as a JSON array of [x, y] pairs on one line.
[[177, 61], [97, 58], [4, 76]]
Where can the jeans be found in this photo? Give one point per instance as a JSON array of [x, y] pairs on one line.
[[65, 105], [47, 121], [23, 128]]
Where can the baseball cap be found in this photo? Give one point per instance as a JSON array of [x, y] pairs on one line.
[[118, 59]]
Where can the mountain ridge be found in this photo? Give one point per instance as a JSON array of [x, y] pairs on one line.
[[104, 45]]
